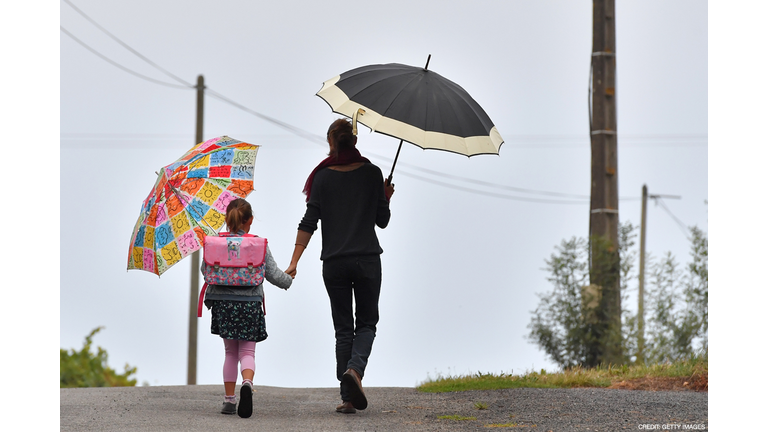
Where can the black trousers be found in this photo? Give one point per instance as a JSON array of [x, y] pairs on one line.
[[345, 278]]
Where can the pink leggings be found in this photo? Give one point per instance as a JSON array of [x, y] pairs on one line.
[[238, 351]]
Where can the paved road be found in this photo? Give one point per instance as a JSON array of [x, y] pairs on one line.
[[196, 408]]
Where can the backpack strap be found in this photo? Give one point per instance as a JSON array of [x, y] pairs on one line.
[[200, 302]]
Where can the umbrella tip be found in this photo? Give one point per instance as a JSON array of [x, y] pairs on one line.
[[427, 65]]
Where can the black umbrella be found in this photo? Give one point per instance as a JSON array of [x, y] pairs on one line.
[[415, 105]]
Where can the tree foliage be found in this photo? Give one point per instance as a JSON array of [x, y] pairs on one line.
[[560, 322], [678, 316], [85, 369], [565, 326]]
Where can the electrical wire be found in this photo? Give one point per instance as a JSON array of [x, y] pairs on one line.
[[153, 64], [103, 57], [680, 224], [491, 194], [541, 142], [290, 128], [493, 185], [320, 140]]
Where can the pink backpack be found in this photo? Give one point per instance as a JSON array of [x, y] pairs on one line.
[[234, 260]]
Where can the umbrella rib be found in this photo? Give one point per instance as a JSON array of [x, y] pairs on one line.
[[390, 104], [383, 114], [180, 196], [462, 101], [467, 100], [399, 92]]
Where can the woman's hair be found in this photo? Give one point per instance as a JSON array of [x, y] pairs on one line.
[[340, 134], [238, 213]]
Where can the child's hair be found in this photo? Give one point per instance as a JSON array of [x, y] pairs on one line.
[[340, 133], [238, 213]]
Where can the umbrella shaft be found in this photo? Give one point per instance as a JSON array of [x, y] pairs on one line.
[[389, 179]]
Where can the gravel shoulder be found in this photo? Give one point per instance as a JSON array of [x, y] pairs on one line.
[[196, 408]]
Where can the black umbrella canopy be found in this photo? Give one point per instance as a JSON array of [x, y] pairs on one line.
[[418, 97], [416, 105]]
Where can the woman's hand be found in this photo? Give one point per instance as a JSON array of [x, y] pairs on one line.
[[291, 271], [389, 189], [302, 240]]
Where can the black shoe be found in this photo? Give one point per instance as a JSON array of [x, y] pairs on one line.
[[228, 408], [351, 380], [245, 407]]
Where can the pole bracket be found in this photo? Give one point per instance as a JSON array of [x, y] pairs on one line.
[[605, 210]]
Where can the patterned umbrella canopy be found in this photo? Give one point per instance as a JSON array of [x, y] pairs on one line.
[[189, 201]]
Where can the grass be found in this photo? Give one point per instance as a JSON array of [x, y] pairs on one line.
[[455, 417], [689, 374]]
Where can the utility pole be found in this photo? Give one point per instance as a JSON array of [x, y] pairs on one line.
[[195, 258], [604, 205], [641, 283], [641, 276]]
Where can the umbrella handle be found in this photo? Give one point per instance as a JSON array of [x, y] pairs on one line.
[[354, 120], [389, 179]]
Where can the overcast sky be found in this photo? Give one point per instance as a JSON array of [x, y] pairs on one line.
[[464, 252]]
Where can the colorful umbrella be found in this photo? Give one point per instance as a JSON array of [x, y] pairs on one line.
[[189, 201]]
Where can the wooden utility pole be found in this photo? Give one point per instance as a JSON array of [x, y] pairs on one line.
[[195, 258], [641, 283], [604, 207], [641, 276]]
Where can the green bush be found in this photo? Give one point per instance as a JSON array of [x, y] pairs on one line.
[[678, 314], [84, 369], [676, 305]]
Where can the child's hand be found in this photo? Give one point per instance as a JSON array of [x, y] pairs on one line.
[[291, 271]]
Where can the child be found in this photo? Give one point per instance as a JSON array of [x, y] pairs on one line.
[[237, 316]]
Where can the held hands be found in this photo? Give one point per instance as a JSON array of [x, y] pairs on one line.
[[302, 240], [291, 271], [389, 188]]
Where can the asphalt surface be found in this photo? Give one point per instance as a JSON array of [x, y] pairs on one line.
[[196, 408]]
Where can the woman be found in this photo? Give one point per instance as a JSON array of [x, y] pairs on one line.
[[351, 197]]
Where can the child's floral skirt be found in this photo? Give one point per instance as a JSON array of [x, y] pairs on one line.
[[242, 320]]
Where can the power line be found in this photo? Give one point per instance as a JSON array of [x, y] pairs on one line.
[[524, 141], [213, 93], [491, 194], [320, 140], [493, 185], [153, 64], [103, 57], [293, 129], [660, 201]]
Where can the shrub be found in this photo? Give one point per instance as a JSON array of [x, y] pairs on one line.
[[84, 369]]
